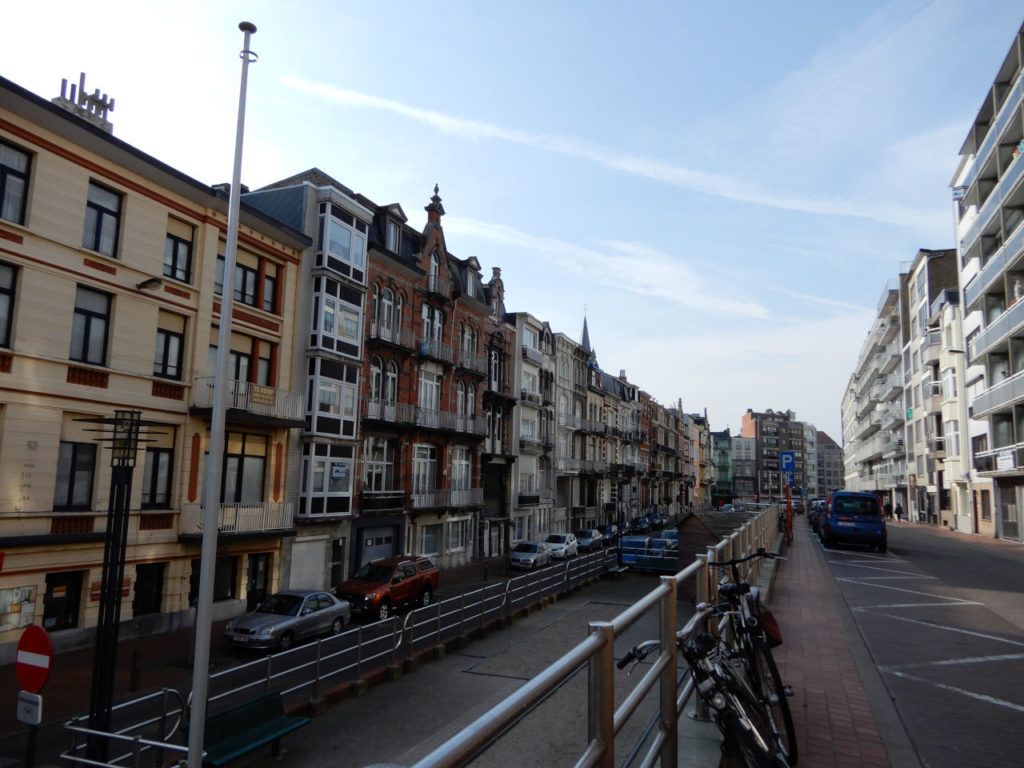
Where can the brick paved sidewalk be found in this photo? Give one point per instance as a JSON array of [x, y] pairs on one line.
[[835, 723]]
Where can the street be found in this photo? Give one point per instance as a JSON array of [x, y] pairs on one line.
[[942, 616]]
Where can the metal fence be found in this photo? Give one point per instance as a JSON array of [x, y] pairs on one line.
[[149, 730]]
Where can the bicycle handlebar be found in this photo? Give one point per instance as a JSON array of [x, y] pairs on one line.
[[761, 552]]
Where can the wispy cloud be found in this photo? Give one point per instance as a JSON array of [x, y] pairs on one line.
[[634, 267], [718, 185]]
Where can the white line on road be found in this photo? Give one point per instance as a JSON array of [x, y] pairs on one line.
[[953, 662], [876, 585], [932, 625], [914, 605], [963, 692]]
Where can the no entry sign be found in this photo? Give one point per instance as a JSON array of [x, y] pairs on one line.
[[32, 662]]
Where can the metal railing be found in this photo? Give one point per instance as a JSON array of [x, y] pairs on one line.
[[147, 727], [306, 673]]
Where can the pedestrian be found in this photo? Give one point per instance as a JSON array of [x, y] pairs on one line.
[[888, 510], [898, 512]]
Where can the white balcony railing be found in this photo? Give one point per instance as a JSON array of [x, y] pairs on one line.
[[256, 399], [241, 518]]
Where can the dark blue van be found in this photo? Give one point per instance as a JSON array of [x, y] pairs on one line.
[[853, 517]]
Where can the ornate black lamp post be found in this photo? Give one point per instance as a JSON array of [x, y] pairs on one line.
[[124, 445]]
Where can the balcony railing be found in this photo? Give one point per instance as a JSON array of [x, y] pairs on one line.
[[402, 337], [992, 205], [436, 350], [255, 399], [999, 396], [1006, 112], [241, 518], [472, 362], [534, 355], [1008, 322], [993, 269], [446, 497], [404, 413], [387, 498]]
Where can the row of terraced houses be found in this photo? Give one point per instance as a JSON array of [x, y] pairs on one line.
[[381, 397]]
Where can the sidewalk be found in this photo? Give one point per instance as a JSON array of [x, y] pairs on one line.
[[842, 713]]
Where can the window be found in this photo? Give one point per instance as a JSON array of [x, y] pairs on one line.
[[527, 482], [102, 220], [528, 429], [8, 275], [341, 242], [530, 382], [14, 169], [245, 459], [430, 539], [378, 465], [178, 250], [76, 463], [429, 390], [458, 534], [245, 282], [949, 384], [225, 579], [424, 468], [393, 236], [89, 327], [156, 478], [270, 288], [530, 338], [167, 359], [239, 364], [337, 316], [951, 432], [433, 323], [460, 468], [327, 471]]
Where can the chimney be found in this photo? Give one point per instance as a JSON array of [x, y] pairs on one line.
[[91, 107]]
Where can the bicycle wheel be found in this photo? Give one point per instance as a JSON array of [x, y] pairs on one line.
[[747, 733], [772, 694]]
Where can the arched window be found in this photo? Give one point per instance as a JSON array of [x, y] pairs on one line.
[[391, 382], [376, 379], [385, 314]]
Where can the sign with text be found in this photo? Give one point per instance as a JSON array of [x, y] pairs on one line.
[[787, 465]]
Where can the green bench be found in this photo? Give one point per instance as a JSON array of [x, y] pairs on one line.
[[243, 728]]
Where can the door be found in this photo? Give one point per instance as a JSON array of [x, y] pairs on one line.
[[375, 543], [62, 600], [256, 584], [149, 588]]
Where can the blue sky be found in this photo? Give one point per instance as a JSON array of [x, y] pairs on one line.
[[725, 187]]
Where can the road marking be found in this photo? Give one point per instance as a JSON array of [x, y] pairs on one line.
[[963, 692], [955, 600], [914, 605], [972, 633], [953, 662], [857, 579], [887, 570]]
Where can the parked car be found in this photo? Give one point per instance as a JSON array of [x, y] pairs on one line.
[[288, 617], [380, 586], [562, 545], [853, 517], [672, 534], [640, 524], [656, 519], [609, 533], [814, 513], [589, 538], [529, 555]]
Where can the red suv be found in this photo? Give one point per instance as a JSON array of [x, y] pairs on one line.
[[380, 586]]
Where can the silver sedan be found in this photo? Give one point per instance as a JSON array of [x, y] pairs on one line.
[[288, 617], [529, 555]]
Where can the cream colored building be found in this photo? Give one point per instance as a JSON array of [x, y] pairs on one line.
[[109, 299]]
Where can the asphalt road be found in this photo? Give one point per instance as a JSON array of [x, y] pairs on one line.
[[942, 615]]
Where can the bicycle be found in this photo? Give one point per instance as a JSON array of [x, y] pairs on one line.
[[721, 683], [750, 639]]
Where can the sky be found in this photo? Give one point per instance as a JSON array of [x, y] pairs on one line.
[[721, 189]]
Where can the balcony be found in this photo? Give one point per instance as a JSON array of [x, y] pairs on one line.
[[446, 497], [438, 286], [993, 270], [530, 445], [533, 355], [252, 403], [1007, 111], [472, 362], [241, 519], [566, 464], [384, 499], [990, 208], [528, 499], [398, 337], [532, 398], [999, 396], [376, 409], [997, 331], [436, 350]]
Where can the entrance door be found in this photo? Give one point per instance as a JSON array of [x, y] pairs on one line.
[[375, 543], [62, 600], [1010, 521], [256, 585], [149, 588]]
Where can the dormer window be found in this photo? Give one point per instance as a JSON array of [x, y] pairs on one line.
[[393, 237]]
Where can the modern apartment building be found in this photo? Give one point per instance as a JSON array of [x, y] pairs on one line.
[[873, 407], [830, 465], [775, 433], [989, 209], [111, 266]]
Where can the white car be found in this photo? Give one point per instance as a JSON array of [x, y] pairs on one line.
[[529, 555], [562, 545]]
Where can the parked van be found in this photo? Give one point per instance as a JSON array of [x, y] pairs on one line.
[[853, 517]]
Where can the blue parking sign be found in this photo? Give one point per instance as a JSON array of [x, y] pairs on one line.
[[787, 464]]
